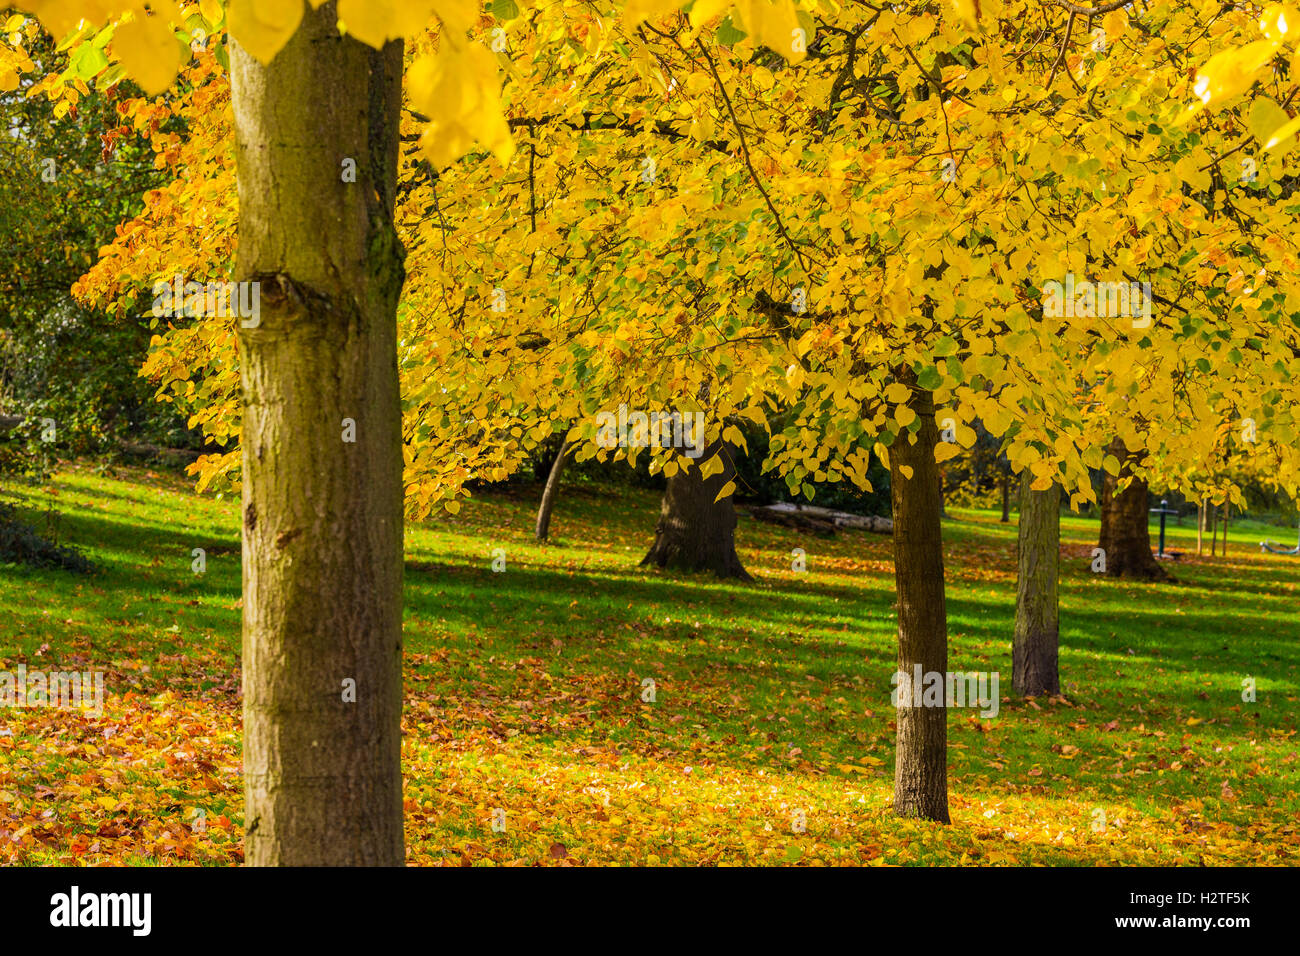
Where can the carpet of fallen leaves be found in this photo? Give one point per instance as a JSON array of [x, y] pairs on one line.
[[539, 750], [157, 780]]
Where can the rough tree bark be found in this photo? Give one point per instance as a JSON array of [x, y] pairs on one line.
[[695, 533], [921, 770], [1125, 537], [322, 516], [1034, 647], [550, 493]]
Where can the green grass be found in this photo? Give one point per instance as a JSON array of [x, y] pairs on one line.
[[772, 698]]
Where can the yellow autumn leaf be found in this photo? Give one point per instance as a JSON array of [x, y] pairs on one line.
[[148, 51], [711, 467], [1115, 23], [727, 489], [905, 471], [459, 90], [774, 25], [212, 12], [1228, 73], [263, 27], [701, 12], [638, 11], [375, 22], [1265, 118], [1283, 135], [897, 393], [456, 15], [1280, 21], [967, 11], [946, 450]]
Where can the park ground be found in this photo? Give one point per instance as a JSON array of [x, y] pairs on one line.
[[769, 739]]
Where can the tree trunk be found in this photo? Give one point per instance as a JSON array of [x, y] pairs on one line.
[[1227, 513], [921, 768], [1214, 528], [550, 493], [695, 533], [1125, 538], [1034, 647], [1200, 524], [1006, 498], [322, 515]]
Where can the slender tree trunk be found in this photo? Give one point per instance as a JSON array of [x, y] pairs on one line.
[[322, 454], [1125, 536], [1034, 648], [1006, 498], [1200, 525], [1214, 528], [695, 533], [1227, 513], [550, 493], [921, 770]]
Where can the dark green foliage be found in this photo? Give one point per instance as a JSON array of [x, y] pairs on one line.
[[21, 544]]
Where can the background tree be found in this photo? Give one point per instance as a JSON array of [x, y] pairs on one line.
[[697, 521], [1035, 646]]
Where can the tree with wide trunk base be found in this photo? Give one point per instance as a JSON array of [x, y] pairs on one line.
[[695, 532], [1035, 646], [322, 450], [1125, 539], [921, 767]]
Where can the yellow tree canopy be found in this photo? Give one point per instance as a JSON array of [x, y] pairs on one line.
[[1036, 209]]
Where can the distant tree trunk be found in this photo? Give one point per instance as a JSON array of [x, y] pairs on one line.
[[1034, 648], [1227, 513], [1200, 525], [1214, 528], [1006, 498], [550, 493], [695, 533], [921, 768], [1125, 538], [322, 450]]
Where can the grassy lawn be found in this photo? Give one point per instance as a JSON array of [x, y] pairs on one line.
[[772, 700]]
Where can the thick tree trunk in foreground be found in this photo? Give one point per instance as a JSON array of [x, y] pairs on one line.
[[1125, 537], [1034, 647], [695, 533], [550, 493], [921, 771], [322, 516]]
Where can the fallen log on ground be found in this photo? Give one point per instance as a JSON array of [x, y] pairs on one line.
[[823, 521]]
